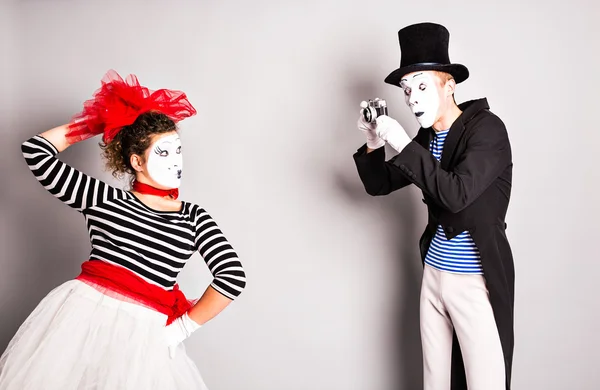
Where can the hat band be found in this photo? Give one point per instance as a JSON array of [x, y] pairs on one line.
[[428, 64]]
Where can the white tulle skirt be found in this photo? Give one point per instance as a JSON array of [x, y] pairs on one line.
[[80, 338]]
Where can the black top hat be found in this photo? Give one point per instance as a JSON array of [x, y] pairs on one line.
[[424, 46]]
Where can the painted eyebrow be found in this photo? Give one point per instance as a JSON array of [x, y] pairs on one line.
[[168, 142], [418, 74]]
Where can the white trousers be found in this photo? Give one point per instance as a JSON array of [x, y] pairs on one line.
[[461, 302]]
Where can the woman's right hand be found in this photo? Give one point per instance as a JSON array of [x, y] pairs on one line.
[[57, 137]]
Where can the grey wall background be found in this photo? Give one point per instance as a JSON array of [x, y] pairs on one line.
[[334, 275]]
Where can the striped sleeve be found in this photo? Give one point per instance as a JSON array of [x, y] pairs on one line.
[[72, 187], [229, 277]]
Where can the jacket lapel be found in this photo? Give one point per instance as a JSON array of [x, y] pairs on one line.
[[469, 109], [424, 137], [456, 130]]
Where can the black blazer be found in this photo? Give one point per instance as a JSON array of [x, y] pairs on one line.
[[469, 190]]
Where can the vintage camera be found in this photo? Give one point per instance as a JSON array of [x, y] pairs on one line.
[[371, 109]]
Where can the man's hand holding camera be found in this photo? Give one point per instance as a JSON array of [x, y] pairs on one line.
[[373, 140], [389, 130], [380, 128]]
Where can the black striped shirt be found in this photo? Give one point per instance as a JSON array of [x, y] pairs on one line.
[[124, 231]]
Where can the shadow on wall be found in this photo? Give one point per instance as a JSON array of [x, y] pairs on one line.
[[404, 216], [47, 240]]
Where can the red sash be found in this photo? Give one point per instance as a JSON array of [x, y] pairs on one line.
[[124, 282]]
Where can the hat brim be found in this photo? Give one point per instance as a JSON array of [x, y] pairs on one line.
[[458, 71]]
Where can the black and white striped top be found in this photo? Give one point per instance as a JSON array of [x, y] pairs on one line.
[[123, 231]]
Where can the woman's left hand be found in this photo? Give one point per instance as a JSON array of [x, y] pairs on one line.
[[179, 330]]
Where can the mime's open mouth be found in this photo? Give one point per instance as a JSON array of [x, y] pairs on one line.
[[419, 114]]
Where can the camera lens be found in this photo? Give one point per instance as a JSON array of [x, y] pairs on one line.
[[367, 114]]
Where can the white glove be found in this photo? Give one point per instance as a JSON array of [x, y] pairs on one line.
[[373, 140], [392, 132], [179, 330]]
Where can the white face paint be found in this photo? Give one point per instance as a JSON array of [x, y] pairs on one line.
[[165, 161], [422, 96]]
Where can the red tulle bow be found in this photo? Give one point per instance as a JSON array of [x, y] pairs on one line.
[[144, 188], [119, 102], [116, 279]]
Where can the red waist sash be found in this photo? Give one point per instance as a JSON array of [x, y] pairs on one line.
[[124, 282]]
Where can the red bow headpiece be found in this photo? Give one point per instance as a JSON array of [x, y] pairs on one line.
[[119, 102]]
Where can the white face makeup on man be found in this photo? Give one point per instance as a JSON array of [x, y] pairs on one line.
[[165, 161], [422, 96]]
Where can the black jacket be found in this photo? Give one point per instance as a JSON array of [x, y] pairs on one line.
[[469, 190]]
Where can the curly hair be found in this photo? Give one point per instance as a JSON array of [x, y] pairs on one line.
[[134, 139]]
